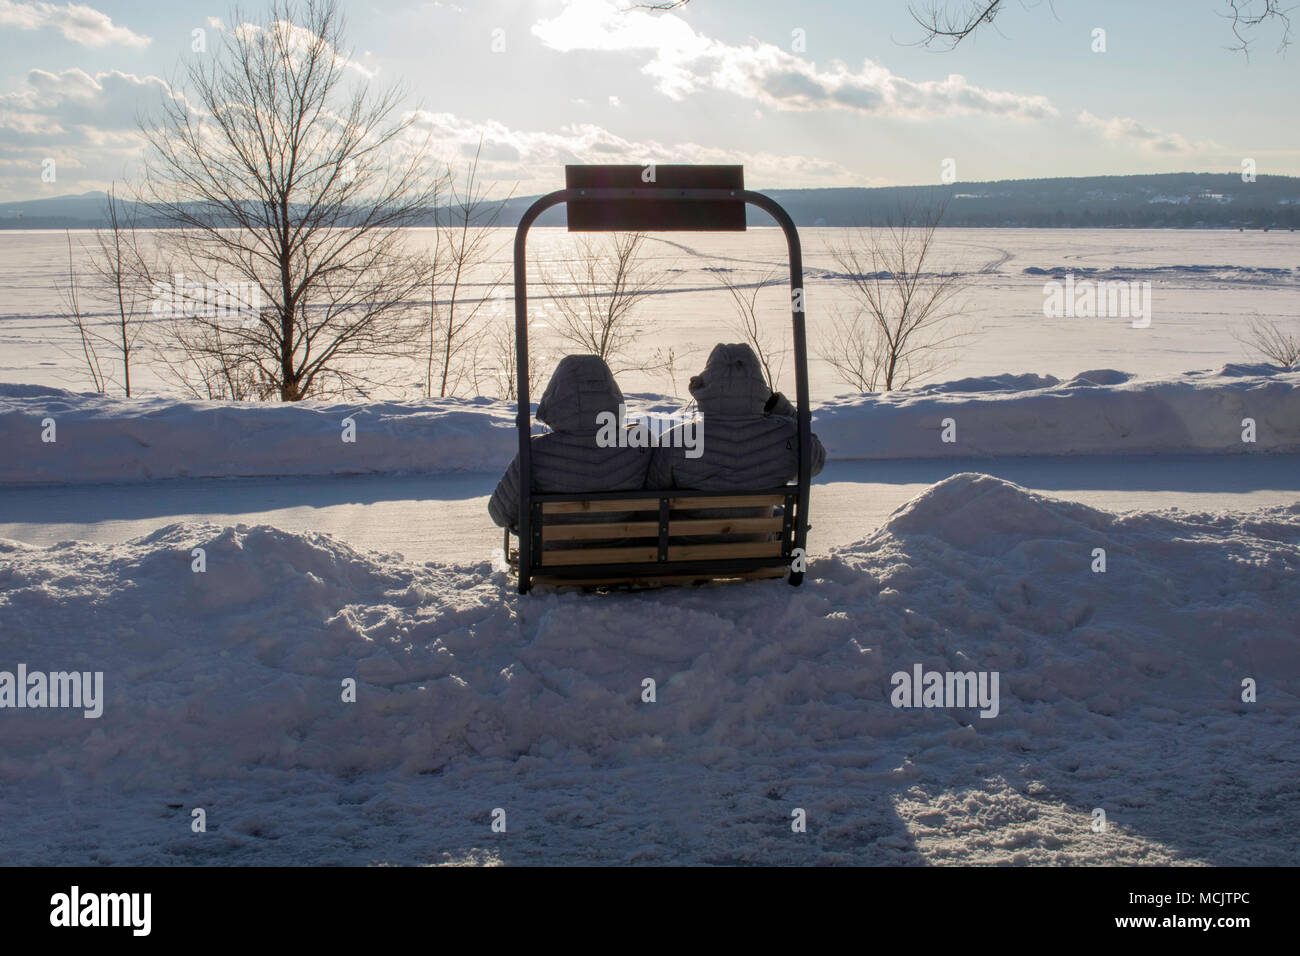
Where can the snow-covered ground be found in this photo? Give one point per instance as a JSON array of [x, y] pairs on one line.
[[52, 435], [444, 517], [1119, 690]]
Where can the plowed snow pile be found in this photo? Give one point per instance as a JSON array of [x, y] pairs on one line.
[[1119, 690], [52, 436]]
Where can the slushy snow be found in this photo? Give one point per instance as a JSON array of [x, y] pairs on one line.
[[1119, 690]]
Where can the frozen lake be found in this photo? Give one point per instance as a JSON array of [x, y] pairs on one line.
[[1205, 284]]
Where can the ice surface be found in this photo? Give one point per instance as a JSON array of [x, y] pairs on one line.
[[1205, 286]]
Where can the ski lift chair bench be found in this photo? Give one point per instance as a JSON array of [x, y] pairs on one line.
[[651, 536], [654, 539]]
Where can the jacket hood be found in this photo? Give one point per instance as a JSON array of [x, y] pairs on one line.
[[732, 383], [581, 387]]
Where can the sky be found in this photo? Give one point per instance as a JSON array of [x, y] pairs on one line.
[[804, 94]]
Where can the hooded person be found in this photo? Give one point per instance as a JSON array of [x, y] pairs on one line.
[[747, 439], [570, 459]]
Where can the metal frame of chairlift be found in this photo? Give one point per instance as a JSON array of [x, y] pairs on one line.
[[654, 199]]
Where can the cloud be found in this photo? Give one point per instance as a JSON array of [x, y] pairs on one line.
[[300, 40], [76, 21], [683, 62], [536, 159], [85, 123], [66, 107], [1127, 129]]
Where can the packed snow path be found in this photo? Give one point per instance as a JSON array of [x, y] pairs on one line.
[[444, 517], [1120, 691]]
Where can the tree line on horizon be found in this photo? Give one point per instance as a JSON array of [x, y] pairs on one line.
[[1153, 201]]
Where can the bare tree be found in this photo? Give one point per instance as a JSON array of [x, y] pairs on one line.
[[464, 243], [951, 21], [119, 283], [496, 362], [668, 362], [206, 362], [88, 339], [899, 328], [854, 349], [277, 168], [596, 294], [745, 323], [948, 22], [1247, 15], [1279, 345], [124, 277]]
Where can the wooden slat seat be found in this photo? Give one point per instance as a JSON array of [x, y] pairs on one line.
[[589, 507], [650, 529], [599, 556], [722, 550], [730, 501], [587, 532], [660, 580], [691, 537]]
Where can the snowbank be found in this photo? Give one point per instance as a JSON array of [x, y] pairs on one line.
[[1120, 690], [98, 438], [1099, 412]]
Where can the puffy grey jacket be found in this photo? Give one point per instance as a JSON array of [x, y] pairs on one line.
[[748, 433], [568, 458]]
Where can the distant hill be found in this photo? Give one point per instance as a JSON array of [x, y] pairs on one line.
[[1171, 200], [1168, 200], [81, 211]]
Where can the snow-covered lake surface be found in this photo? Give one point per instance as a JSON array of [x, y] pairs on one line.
[[1205, 285]]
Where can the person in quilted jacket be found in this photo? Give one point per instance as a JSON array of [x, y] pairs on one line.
[[748, 433], [569, 459]]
